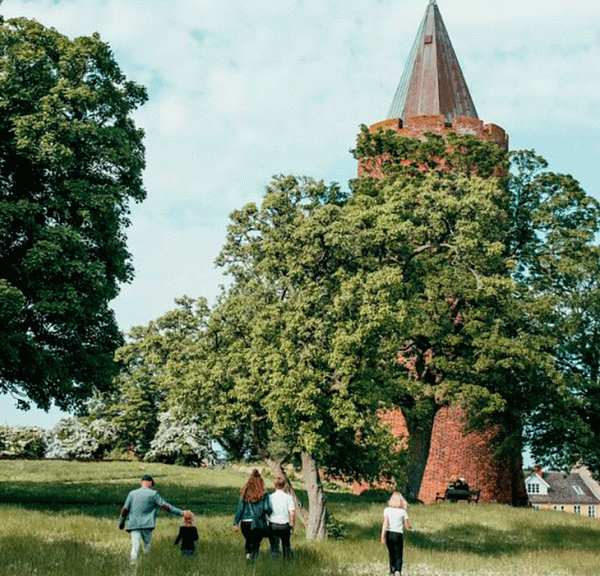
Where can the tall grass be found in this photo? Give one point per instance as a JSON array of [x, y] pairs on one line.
[[60, 519]]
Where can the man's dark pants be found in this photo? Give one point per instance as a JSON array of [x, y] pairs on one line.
[[277, 533]]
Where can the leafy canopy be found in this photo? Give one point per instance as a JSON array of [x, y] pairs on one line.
[[71, 162], [490, 280]]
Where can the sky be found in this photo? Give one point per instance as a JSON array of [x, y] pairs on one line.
[[240, 91]]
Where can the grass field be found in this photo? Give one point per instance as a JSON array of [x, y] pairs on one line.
[[61, 519]]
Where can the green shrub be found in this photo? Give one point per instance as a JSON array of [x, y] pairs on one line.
[[22, 442], [334, 528]]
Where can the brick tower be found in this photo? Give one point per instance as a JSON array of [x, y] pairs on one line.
[[433, 97]]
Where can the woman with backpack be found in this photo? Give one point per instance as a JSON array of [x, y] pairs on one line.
[[251, 514]]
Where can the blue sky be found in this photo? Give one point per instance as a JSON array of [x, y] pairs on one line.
[[242, 90]]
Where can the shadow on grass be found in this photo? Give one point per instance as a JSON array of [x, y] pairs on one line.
[[485, 541], [473, 538], [106, 499], [34, 555], [211, 555]]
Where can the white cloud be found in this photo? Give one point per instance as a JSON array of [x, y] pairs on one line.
[[172, 117], [241, 90], [227, 92]]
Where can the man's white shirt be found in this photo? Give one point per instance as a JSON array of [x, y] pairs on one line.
[[282, 505]]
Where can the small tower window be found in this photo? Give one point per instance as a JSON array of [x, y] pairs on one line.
[[428, 39]]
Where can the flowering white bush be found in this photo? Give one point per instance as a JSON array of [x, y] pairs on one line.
[[180, 441], [22, 441], [72, 438], [105, 432]]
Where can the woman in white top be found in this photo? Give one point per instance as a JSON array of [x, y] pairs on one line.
[[395, 521]]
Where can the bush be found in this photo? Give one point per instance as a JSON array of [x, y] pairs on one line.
[[334, 528], [72, 438], [180, 441], [22, 442]]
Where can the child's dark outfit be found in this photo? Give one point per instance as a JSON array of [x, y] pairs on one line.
[[188, 535]]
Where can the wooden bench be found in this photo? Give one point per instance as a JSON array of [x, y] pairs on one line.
[[454, 495]]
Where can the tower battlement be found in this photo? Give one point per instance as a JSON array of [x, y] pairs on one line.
[[418, 126]]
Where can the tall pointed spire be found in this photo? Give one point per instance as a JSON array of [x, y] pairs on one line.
[[432, 82]]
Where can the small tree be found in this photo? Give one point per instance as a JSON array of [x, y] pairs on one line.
[[141, 392]]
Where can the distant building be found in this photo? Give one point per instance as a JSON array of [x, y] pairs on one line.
[[565, 492]]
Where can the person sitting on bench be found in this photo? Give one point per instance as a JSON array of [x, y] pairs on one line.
[[461, 484]]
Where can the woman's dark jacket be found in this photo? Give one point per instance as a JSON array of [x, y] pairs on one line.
[[258, 511]]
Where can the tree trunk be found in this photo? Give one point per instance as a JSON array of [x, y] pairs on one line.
[[419, 442], [315, 529], [519, 492], [515, 457], [277, 470]]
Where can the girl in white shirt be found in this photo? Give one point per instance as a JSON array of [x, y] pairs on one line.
[[395, 521]]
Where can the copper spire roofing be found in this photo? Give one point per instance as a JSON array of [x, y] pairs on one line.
[[432, 82]]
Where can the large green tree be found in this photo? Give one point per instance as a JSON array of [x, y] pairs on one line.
[[486, 273], [560, 263], [432, 227], [71, 162], [275, 367]]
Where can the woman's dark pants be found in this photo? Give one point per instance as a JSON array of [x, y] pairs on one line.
[[277, 533], [253, 539], [395, 545]]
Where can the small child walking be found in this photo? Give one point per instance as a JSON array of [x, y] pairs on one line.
[[188, 536], [395, 521]]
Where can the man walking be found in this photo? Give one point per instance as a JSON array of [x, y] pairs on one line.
[[282, 519], [139, 514]]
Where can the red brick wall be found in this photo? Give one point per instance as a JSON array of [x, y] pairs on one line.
[[396, 420], [471, 456], [418, 126]]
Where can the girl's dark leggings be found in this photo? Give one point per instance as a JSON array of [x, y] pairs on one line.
[[395, 545]]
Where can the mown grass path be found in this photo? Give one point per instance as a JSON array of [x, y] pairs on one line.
[[61, 519]]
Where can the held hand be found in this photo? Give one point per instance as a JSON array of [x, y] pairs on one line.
[[235, 527]]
